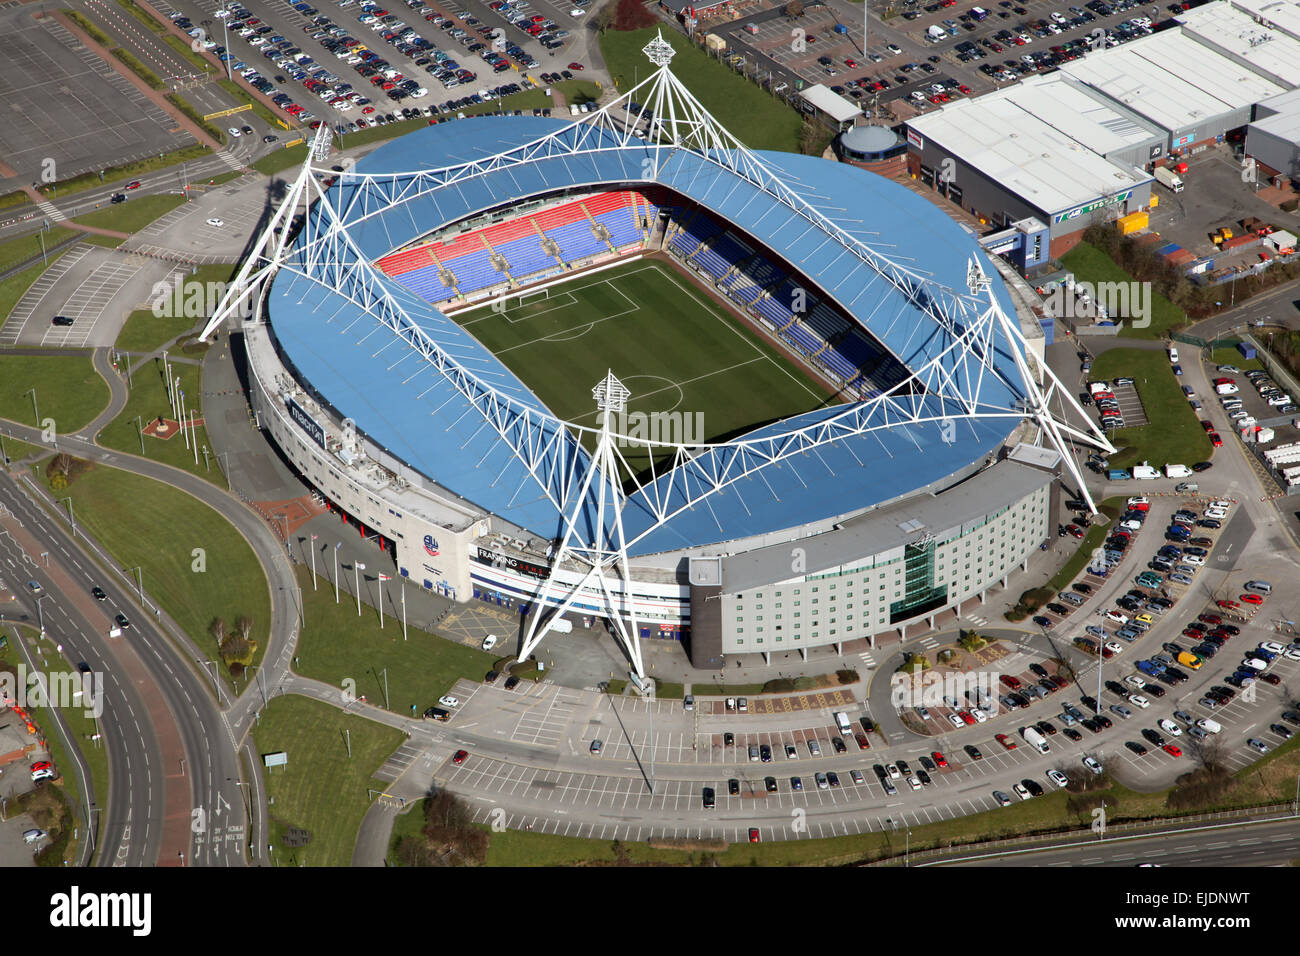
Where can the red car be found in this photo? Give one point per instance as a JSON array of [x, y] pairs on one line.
[[1075, 530], [753, 835], [962, 87], [851, 63], [1012, 682], [938, 759], [1228, 605], [1253, 599], [1005, 741], [134, 184], [575, 66], [1172, 750], [966, 717], [1224, 381], [812, 39], [1215, 440], [42, 765], [459, 756], [1208, 426], [863, 743], [1211, 619]]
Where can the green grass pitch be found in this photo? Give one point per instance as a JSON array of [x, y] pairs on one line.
[[675, 350]]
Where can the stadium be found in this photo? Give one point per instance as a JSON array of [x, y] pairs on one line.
[[624, 371]]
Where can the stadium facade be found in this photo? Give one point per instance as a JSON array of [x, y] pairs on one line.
[[403, 420]]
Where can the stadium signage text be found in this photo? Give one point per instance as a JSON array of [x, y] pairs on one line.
[[1075, 213], [308, 424], [499, 559]]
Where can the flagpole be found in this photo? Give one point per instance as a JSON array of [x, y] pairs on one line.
[[403, 608], [336, 571], [313, 562], [382, 579]]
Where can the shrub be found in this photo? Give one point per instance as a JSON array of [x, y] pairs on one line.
[[633, 15]]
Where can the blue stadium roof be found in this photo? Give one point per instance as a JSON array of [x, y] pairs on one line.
[[401, 403]]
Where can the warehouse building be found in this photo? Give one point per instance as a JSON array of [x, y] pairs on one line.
[[1036, 153], [1233, 33], [1273, 139], [1179, 85], [1280, 15]]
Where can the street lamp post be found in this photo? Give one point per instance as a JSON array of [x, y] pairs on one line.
[[35, 411], [139, 429], [71, 519], [140, 571], [358, 567], [336, 571], [40, 612]]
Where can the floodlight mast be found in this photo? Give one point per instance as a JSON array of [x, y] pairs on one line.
[[269, 251], [606, 556], [679, 123]]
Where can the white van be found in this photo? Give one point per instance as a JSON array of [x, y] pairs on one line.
[[1146, 472], [842, 721], [935, 34], [1173, 356], [1209, 726], [1263, 587], [1177, 471]]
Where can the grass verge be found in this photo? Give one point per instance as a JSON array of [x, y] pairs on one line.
[[758, 120], [133, 215], [337, 646], [1090, 264], [17, 251], [1173, 433], [324, 787], [147, 401], [130, 170], [68, 389], [187, 108], [147, 524], [281, 160]]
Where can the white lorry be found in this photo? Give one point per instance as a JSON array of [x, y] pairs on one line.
[[1169, 179]]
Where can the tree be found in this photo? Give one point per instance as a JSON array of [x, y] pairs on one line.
[[605, 16], [244, 625], [633, 15], [794, 9], [218, 630]]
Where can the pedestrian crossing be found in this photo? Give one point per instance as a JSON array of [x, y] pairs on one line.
[[977, 620], [230, 161], [51, 210], [868, 661]]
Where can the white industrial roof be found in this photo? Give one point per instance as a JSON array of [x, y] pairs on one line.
[[1284, 119], [1024, 154], [832, 104], [1226, 29], [1284, 15], [1067, 106], [1171, 79]]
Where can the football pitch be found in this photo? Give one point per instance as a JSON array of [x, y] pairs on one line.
[[680, 355]]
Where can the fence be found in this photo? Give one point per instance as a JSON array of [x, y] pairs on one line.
[[1264, 813]]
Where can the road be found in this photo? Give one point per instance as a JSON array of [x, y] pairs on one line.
[[159, 726], [1271, 843]]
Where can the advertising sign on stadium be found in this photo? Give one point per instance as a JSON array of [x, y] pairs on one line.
[[915, 139], [499, 559], [309, 424], [1091, 207]]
